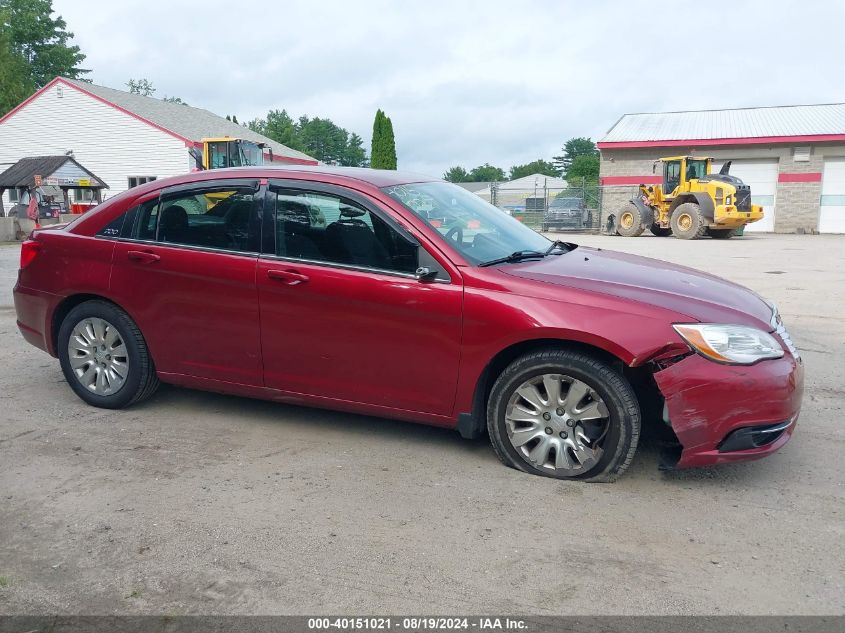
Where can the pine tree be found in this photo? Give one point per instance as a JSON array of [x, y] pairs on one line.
[[383, 151]]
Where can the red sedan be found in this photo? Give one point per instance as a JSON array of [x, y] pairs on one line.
[[388, 294]]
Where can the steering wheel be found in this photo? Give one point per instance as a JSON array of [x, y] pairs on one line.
[[456, 233]]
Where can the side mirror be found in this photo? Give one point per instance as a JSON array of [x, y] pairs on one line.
[[424, 273], [197, 156]]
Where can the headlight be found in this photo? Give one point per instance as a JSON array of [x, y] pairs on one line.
[[728, 200], [732, 344]]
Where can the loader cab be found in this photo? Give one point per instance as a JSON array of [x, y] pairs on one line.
[[679, 170]]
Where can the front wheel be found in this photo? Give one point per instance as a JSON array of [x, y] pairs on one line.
[[104, 357], [629, 222], [564, 414]]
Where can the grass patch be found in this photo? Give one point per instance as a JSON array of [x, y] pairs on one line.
[[4, 582]]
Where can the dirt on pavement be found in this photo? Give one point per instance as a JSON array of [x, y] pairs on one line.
[[201, 503]]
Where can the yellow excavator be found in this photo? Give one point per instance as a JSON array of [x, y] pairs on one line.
[[226, 151], [691, 202]]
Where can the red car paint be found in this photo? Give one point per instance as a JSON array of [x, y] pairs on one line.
[[397, 347]]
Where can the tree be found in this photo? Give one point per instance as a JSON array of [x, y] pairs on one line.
[[572, 149], [538, 166], [279, 126], [383, 150], [583, 167], [143, 87], [320, 138], [15, 84], [486, 173], [40, 40], [456, 174]]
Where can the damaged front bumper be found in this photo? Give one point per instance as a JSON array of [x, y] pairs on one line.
[[730, 413]]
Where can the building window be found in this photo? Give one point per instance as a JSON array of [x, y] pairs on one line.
[[83, 195], [13, 195], [134, 181]]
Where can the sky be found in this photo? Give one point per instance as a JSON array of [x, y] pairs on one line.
[[467, 82]]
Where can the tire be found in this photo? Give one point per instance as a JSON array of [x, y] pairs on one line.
[[615, 435], [629, 221], [720, 234], [659, 231], [687, 222], [96, 320]]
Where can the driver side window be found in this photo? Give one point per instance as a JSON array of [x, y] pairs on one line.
[[323, 227]]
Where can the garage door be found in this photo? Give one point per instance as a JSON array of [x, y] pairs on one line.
[[832, 214], [762, 177]]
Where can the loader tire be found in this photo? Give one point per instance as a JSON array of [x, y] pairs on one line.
[[629, 221], [721, 234], [659, 231], [687, 222]]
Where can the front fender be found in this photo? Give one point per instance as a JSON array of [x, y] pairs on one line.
[[704, 202], [627, 330]]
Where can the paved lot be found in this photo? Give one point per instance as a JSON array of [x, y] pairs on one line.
[[201, 503]]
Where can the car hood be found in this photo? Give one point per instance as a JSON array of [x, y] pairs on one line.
[[698, 295]]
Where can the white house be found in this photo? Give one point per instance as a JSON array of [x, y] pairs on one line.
[[126, 139]]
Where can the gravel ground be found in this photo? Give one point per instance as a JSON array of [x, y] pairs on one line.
[[201, 503]]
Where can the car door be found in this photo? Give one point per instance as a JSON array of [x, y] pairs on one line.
[[343, 315], [185, 271]]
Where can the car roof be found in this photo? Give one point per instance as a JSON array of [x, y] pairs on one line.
[[375, 177]]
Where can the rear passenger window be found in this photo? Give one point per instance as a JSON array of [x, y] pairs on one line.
[[225, 219], [121, 226], [327, 228]]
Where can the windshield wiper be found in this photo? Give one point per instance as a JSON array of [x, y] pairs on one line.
[[566, 246], [518, 256]]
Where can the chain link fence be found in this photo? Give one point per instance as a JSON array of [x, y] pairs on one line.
[[575, 208]]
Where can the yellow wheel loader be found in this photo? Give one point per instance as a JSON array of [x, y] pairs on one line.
[[691, 202]]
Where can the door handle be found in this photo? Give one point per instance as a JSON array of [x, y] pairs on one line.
[[289, 277], [142, 257]]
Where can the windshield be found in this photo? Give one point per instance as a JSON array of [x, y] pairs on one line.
[[476, 229]]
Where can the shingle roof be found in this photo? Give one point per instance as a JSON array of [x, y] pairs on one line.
[[186, 121], [23, 172], [768, 122]]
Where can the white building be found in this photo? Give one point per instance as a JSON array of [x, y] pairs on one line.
[[125, 139]]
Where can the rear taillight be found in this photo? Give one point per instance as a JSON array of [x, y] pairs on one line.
[[29, 251]]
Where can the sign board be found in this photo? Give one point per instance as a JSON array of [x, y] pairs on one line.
[[84, 182], [37, 180], [51, 181]]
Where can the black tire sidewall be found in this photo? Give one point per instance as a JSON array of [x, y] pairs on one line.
[[699, 226], [119, 319], [636, 228], [616, 443]]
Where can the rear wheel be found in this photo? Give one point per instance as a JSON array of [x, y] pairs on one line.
[[104, 357], [687, 222], [659, 231], [565, 415], [720, 234], [629, 221]]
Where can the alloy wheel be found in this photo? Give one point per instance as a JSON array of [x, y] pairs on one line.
[[98, 356], [557, 423]]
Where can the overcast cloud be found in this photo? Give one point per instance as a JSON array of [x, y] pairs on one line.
[[467, 82]]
